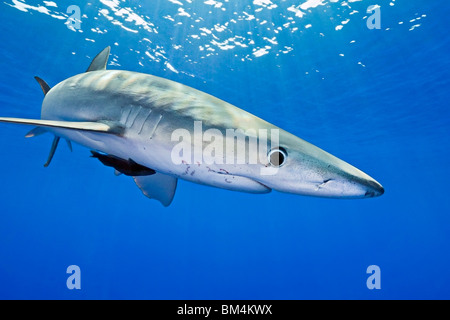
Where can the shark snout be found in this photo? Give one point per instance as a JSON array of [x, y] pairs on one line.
[[343, 180], [360, 185], [349, 186], [374, 188]]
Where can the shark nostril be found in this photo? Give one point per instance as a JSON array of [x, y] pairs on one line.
[[370, 194], [376, 189]]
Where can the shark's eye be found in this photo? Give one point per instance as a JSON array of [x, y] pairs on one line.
[[277, 157]]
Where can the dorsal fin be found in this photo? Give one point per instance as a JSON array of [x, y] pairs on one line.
[[100, 60], [44, 86]]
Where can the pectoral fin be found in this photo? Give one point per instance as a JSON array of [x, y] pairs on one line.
[[74, 125], [158, 186]]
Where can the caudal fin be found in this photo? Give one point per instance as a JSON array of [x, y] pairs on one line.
[[43, 125], [44, 86]]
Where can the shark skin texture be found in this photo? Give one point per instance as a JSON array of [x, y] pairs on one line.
[[158, 131]]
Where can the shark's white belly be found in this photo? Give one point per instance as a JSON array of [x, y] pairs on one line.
[[158, 156]]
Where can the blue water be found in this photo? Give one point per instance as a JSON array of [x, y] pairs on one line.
[[377, 98]]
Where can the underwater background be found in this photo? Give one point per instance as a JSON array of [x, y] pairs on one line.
[[376, 98]]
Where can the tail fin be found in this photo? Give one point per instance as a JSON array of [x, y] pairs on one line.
[[44, 86], [35, 132], [39, 130], [71, 125], [99, 63], [52, 151]]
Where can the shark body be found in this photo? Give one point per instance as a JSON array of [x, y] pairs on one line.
[[128, 120]]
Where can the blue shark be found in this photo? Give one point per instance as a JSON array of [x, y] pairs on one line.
[[128, 120]]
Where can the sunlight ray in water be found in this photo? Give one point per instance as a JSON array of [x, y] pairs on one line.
[[250, 31]]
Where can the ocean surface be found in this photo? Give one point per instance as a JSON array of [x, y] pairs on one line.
[[375, 97]]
